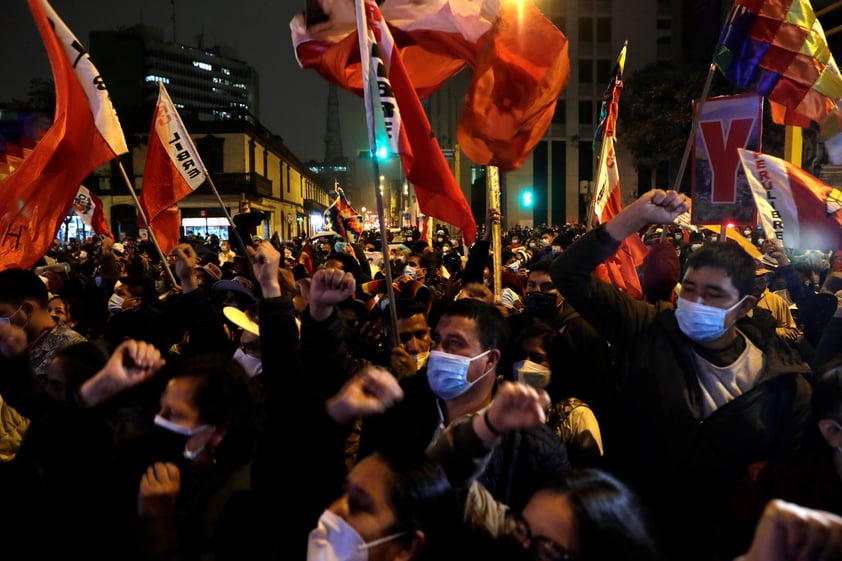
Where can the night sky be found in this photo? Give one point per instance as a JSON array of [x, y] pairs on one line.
[[292, 100]]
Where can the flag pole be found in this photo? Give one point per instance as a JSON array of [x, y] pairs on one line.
[[375, 166], [493, 184], [142, 214], [239, 239], [695, 126]]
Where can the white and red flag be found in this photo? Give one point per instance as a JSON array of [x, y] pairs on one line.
[[519, 61], [173, 170], [408, 128], [799, 210], [84, 135], [88, 207], [621, 268]]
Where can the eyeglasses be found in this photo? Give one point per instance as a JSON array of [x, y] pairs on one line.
[[542, 549]]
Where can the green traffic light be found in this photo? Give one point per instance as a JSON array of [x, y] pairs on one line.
[[526, 199], [382, 153]]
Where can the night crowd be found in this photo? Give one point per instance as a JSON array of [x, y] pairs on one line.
[[267, 400]]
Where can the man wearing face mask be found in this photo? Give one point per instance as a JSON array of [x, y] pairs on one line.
[[587, 354], [460, 378], [702, 393], [414, 340], [23, 303]]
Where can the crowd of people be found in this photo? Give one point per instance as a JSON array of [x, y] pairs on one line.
[[269, 401]]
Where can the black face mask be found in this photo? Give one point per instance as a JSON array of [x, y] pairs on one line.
[[539, 304]]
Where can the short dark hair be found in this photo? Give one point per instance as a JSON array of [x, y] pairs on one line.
[[492, 326], [17, 285], [227, 397], [729, 256], [542, 266]]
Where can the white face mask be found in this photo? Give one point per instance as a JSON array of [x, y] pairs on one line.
[[115, 303], [421, 360], [701, 322], [411, 272], [335, 540], [515, 266], [252, 364], [184, 431], [532, 373]]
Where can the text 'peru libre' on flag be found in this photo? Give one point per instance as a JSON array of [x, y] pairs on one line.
[[173, 170], [436, 190], [778, 49], [519, 60], [84, 135], [794, 207]]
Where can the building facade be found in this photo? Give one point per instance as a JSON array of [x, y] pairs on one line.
[[217, 98]]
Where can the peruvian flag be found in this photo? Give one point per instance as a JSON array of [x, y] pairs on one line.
[[85, 134], [172, 171], [794, 207], [88, 207], [621, 268], [407, 126], [519, 60]]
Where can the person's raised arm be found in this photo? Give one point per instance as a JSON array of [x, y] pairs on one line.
[[186, 261], [328, 288], [655, 207], [265, 263], [789, 532], [132, 363], [370, 391]]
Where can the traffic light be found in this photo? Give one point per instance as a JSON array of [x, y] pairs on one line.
[[383, 153], [526, 199]]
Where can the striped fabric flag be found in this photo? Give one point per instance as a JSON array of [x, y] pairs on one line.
[[608, 199], [436, 190], [793, 206], [342, 218], [84, 135], [88, 207], [519, 61], [173, 170], [621, 268], [777, 49]]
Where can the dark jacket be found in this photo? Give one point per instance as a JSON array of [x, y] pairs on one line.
[[662, 445], [518, 466]]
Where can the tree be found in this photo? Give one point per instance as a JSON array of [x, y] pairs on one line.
[[656, 112]]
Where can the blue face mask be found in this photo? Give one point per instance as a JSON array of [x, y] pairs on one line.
[[701, 322], [447, 373]]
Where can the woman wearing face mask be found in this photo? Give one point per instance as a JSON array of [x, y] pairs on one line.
[[391, 505], [571, 418], [189, 476]]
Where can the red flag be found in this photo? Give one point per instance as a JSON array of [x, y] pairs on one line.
[[523, 67], [88, 207], [621, 268], [342, 218], [84, 135], [172, 171], [436, 189], [305, 257], [519, 59], [794, 207]]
